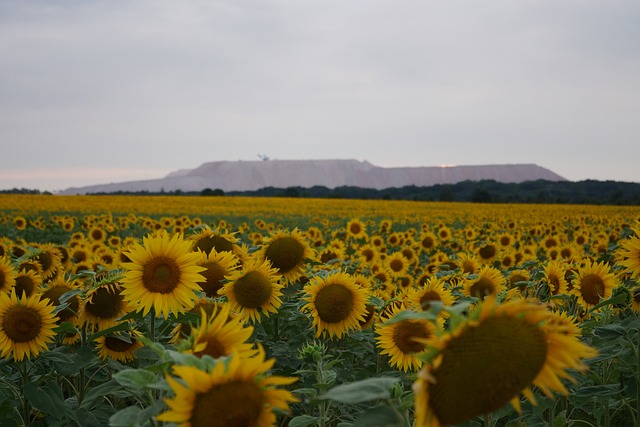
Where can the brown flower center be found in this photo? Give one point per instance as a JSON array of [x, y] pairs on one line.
[[21, 324], [234, 404], [161, 274], [334, 303]]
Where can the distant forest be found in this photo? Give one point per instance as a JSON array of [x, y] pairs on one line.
[[487, 191]]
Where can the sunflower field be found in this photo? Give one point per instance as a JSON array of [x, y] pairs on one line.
[[131, 311]]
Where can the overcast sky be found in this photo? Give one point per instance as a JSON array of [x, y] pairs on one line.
[[116, 90]]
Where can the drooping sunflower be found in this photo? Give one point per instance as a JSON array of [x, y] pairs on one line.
[[218, 335], [237, 393], [163, 274], [217, 265], [183, 330], [554, 274], [7, 275], [49, 259], [253, 290], [55, 289], [490, 281], [493, 358], [593, 282], [404, 341], [27, 281], [336, 303], [121, 347], [26, 326], [102, 306], [287, 252], [207, 239]]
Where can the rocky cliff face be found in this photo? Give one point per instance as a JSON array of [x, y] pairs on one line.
[[253, 175]]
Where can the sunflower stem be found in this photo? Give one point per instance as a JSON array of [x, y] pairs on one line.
[[26, 407]]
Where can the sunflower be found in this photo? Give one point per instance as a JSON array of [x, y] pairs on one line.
[[217, 265], [518, 276], [97, 234], [237, 393], [253, 290], [49, 259], [432, 290], [628, 254], [554, 274], [20, 222], [356, 229], [119, 347], [635, 299], [7, 275], [593, 282], [162, 275], [102, 306], [287, 252], [219, 336], [367, 253], [404, 341], [428, 242], [336, 303], [487, 253], [493, 358], [27, 281], [397, 265], [490, 281], [207, 240], [53, 290], [26, 326]]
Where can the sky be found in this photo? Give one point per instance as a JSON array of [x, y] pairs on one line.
[[93, 92]]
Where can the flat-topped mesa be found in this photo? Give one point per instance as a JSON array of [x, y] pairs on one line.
[[254, 175]]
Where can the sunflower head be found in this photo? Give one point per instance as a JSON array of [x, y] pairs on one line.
[[287, 253], [493, 358], [336, 303], [26, 326], [253, 290], [489, 281], [594, 282], [237, 393], [163, 274], [7, 275]]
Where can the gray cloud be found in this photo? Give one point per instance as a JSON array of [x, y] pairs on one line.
[[160, 84]]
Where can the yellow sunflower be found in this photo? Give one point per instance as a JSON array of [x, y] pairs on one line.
[[102, 306], [162, 275], [554, 274], [27, 281], [287, 252], [20, 222], [635, 299], [237, 393], [490, 281], [54, 290], [207, 240], [219, 336], [48, 257], [593, 282], [26, 326], [356, 229], [336, 303], [487, 253], [253, 290], [628, 254], [493, 358], [404, 341], [119, 347], [397, 265], [469, 264], [217, 265], [7, 275], [433, 289]]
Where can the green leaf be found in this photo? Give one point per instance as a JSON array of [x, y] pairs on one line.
[[136, 378], [609, 332], [48, 399], [304, 421], [382, 416], [361, 391], [611, 301], [97, 394], [68, 295], [411, 315], [602, 390], [560, 420], [65, 328], [127, 417], [117, 328]]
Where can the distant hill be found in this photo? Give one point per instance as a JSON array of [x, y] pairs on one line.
[[230, 176]]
